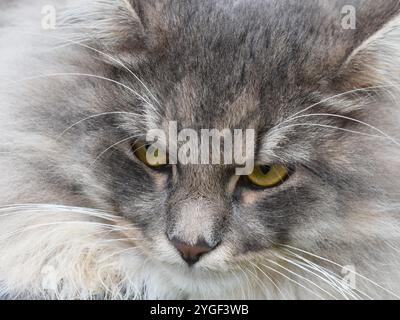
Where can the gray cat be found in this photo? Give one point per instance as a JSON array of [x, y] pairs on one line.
[[83, 213]]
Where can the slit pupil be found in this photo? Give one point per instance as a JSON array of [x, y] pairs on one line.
[[265, 169]]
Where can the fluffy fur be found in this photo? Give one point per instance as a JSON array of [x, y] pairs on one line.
[[82, 218]]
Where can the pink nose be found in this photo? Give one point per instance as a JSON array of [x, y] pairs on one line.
[[191, 253]]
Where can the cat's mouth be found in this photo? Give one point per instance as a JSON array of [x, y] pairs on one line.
[[195, 262], [219, 261], [163, 252]]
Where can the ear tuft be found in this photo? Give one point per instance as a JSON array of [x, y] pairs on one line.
[[376, 62], [109, 24]]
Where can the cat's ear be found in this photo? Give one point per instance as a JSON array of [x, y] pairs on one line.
[[375, 63], [117, 25]]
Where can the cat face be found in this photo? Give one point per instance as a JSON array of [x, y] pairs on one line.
[[238, 68], [315, 98]]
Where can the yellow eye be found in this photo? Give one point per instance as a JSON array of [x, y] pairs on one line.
[[150, 155], [269, 176]]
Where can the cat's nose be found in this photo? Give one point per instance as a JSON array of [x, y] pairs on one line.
[[192, 253]]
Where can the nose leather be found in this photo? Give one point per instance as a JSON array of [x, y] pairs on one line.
[[191, 253]]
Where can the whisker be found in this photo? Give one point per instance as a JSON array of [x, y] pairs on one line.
[[102, 53], [244, 294], [340, 266], [54, 209], [269, 278], [367, 89], [109, 148], [120, 240], [329, 127], [38, 226], [330, 283], [303, 278], [294, 281], [347, 118], [94, 117], [130, 249], [329, 275], [77, 74]]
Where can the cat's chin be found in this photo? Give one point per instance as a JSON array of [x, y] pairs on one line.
[[199, 282], [231, 277]]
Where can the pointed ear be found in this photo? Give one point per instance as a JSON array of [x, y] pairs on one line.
[[115, 25], [376, 62]]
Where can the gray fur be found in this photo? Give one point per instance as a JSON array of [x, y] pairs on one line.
[[234, 64]]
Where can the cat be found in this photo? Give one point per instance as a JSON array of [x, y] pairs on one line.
[[84, 216]]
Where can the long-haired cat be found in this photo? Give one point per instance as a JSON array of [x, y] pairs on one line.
[[83, 216]]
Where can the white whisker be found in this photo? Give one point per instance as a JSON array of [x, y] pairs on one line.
[[347, 118], [330, 127], [326, 280], [303, 278], [339, 284], [43, 225], [77, 74], [340, 266], [111, 147], [293, 281], [269, 278], [54, 209], [367, 89], [102, 53], [94, 117]]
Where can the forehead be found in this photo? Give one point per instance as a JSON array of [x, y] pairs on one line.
[[223, 63], [198, 107], [245, 64], [282, 43], [217, 37]]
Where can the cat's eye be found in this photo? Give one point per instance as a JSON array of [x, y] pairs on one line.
[[269, 176], [150, 155]]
